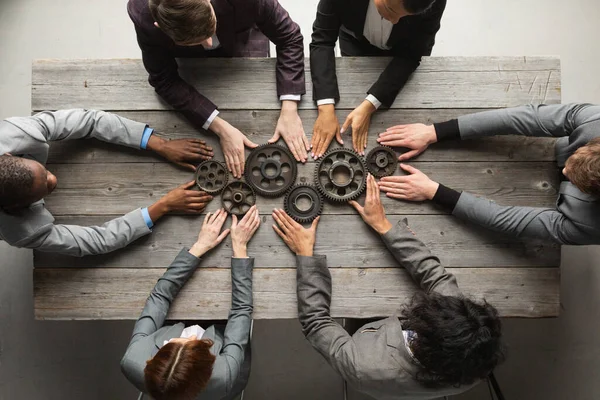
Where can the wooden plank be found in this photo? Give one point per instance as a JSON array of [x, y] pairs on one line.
[[345, 239], [65, 294], [443, 82], [260, 124]]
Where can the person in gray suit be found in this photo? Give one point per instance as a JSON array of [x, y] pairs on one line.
[[576, 218], [25, 181], [178, 362], [440, 344]]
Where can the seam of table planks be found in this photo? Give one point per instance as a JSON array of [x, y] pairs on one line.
[[99, 181]]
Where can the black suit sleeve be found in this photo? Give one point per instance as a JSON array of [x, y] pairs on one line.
[[326, 29], [408, 58]]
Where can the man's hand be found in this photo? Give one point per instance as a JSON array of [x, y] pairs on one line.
[[242, 231], [289, 127], [413, 187], [373, 213], [210, 234], [360, 120], [416, 137], [326, 127], [186, 153], [299, 239], [183, 200], [232, 143]]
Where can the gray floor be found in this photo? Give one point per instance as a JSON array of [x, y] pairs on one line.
[[549, 359]]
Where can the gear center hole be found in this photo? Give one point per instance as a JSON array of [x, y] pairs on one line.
[[341, 175], [271, 169], [238, 197], [303, 203]]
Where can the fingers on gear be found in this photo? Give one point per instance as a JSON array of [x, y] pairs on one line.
[[303, 203], [341, 175], [270, 170]]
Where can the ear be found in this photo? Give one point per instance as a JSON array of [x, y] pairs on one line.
[[156, 24]]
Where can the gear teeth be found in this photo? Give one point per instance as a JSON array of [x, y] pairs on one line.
[[309, 218], [381, 172], [250, 163], [220, 166], [362, 167]]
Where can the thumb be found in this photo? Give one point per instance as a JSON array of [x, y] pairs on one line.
[[249, 143], [275, 137], [409, 169], [408, 155], [188, 185], [347, 123], [315, 223], [189, 166], [357, 207], [234, 221]]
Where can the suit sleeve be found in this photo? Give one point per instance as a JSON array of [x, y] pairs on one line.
[[425, 268], [237, 332], [275, 22], [396, 74], [326, 30], [328, 337], [164, 77]]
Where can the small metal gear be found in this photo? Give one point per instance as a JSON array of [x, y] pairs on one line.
[[211, 176], [238, 197], [381, 161], [341, 175], [271, 169], [303, 203]]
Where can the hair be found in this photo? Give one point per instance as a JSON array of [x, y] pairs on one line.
[[584, 167], [179, 371], [457, 342], [184, 21], [16, 181], [417, 6]]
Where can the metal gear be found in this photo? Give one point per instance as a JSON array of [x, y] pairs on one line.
[[211, 176], [238, 197], [381, 161], [303, 203], [271, 169], [341, 175]]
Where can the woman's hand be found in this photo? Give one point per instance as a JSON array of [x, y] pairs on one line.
[[242, 231], [210, 234]]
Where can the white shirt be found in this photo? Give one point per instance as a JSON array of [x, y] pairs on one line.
[[189, 332]]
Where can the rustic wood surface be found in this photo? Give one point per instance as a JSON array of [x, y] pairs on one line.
[[98, 182]]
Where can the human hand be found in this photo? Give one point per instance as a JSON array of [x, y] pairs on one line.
[[416, 137], [300, 240], [360, 120], [326, 127], [289, 127], [414, 187], [373, 213], [186, 153], [210, 234], [242, 231], [185, 200], [232, 143]]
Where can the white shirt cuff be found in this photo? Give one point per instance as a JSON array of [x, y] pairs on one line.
[[210, 120], [373, 100], [293, 97], [325, 101]]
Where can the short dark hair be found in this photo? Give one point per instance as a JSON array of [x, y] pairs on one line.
[[16, 181], [184, 21], [457, 342], [417, 6]]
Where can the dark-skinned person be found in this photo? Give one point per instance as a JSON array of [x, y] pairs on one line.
[[179, 362], [575, 220], [402, 29], [25, 181], [168, 30], [440, 344]]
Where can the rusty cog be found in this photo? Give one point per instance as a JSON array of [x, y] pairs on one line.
[[211, 176], [238, 197], [341, 175], [381, 161], [271, 170], [303, 203]]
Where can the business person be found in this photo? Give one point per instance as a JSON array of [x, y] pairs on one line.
[[167, 29], [25, 181], [402, 29], [441, 344], [178, 362], [576, 218]]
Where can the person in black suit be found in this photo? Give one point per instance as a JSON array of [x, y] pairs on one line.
[[403, 29]]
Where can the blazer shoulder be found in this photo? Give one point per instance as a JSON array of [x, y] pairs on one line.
[[20, 229]]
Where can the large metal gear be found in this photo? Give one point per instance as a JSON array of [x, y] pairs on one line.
[[238, 197], [211, 176], [271, 169], [381, 161], [341, 175], [303, 203]]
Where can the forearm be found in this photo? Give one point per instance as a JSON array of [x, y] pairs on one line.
[[314, 293], [237, 331], [393, 79]]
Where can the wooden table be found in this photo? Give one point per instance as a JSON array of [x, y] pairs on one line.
[[98, 181]]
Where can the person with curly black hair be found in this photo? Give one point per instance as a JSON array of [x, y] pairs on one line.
[[441, 344]]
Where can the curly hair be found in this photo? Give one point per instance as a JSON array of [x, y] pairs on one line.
[[417, 6], [584, 167], [184, 21], [458, 341], [16, 181]]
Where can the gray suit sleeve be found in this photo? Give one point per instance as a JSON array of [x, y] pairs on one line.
[[530, 120], [425, 268], [325, 335], [237, 331], [521, 222], [164, 292]]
